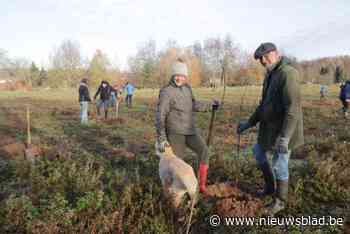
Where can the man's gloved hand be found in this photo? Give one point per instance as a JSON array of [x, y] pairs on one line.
[[282, 145], [215, 105], [162, 144], [242, 126]]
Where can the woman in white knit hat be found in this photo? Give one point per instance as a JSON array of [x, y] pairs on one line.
[[175, 120]]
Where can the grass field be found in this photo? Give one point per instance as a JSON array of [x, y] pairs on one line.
[[103, 177]]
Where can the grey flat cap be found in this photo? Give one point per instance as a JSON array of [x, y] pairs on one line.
[[263, 49]]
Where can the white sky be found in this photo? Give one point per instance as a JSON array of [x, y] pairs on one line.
[[305, 29]]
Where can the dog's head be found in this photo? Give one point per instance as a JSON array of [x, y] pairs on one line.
[[167, 152]]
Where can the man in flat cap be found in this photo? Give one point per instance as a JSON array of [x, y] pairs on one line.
[[281, 123], [175, 120]]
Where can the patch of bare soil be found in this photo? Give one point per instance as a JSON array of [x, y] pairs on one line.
[[311, 131], [61, 150], [148, 136], [302, 152], [116, 140], [92, 114], [138, 148], [6, 140], [323, 102], [11, 150], [319, 103], [15, 86], [14, 119], [347, 226], [69, 112], [119, 152], [114, 121], [230, 200]]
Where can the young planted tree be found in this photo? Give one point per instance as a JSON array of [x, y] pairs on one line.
[[34, 74], [42, 76]]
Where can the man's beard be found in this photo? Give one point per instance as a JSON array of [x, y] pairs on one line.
[[269, 67]]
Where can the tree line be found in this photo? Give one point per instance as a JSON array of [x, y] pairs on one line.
[[215, 61], [67, 67]]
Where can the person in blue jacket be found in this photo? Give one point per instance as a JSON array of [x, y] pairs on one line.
[[129, 88], [344, 97]]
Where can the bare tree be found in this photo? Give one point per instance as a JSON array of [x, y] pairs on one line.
[[66, 61], [219, 55], [143, 64], [4, 59], [67, 56]]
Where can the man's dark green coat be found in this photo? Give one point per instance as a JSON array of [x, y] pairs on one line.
[[279, 112]]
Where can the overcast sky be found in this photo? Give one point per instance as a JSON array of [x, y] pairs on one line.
[[305, 29]]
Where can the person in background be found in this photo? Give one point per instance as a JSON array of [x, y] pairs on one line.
[[129, 88], [323, 92], [344, 97], [114, 96], [104, 90], [84, 99]]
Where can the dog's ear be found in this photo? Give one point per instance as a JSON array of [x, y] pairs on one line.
[[168, 150]]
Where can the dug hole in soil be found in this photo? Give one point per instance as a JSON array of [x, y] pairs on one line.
[[120, 152], [9, 147], [231, 201]]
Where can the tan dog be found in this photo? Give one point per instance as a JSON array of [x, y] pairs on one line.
[[177, 176]]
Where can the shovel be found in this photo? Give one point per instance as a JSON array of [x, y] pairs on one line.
[[211, 125]]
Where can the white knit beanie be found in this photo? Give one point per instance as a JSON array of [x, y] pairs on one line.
[[179, 68]]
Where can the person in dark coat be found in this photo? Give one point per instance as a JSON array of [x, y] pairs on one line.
[[104, 90], [280, 119], [84, 99]]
